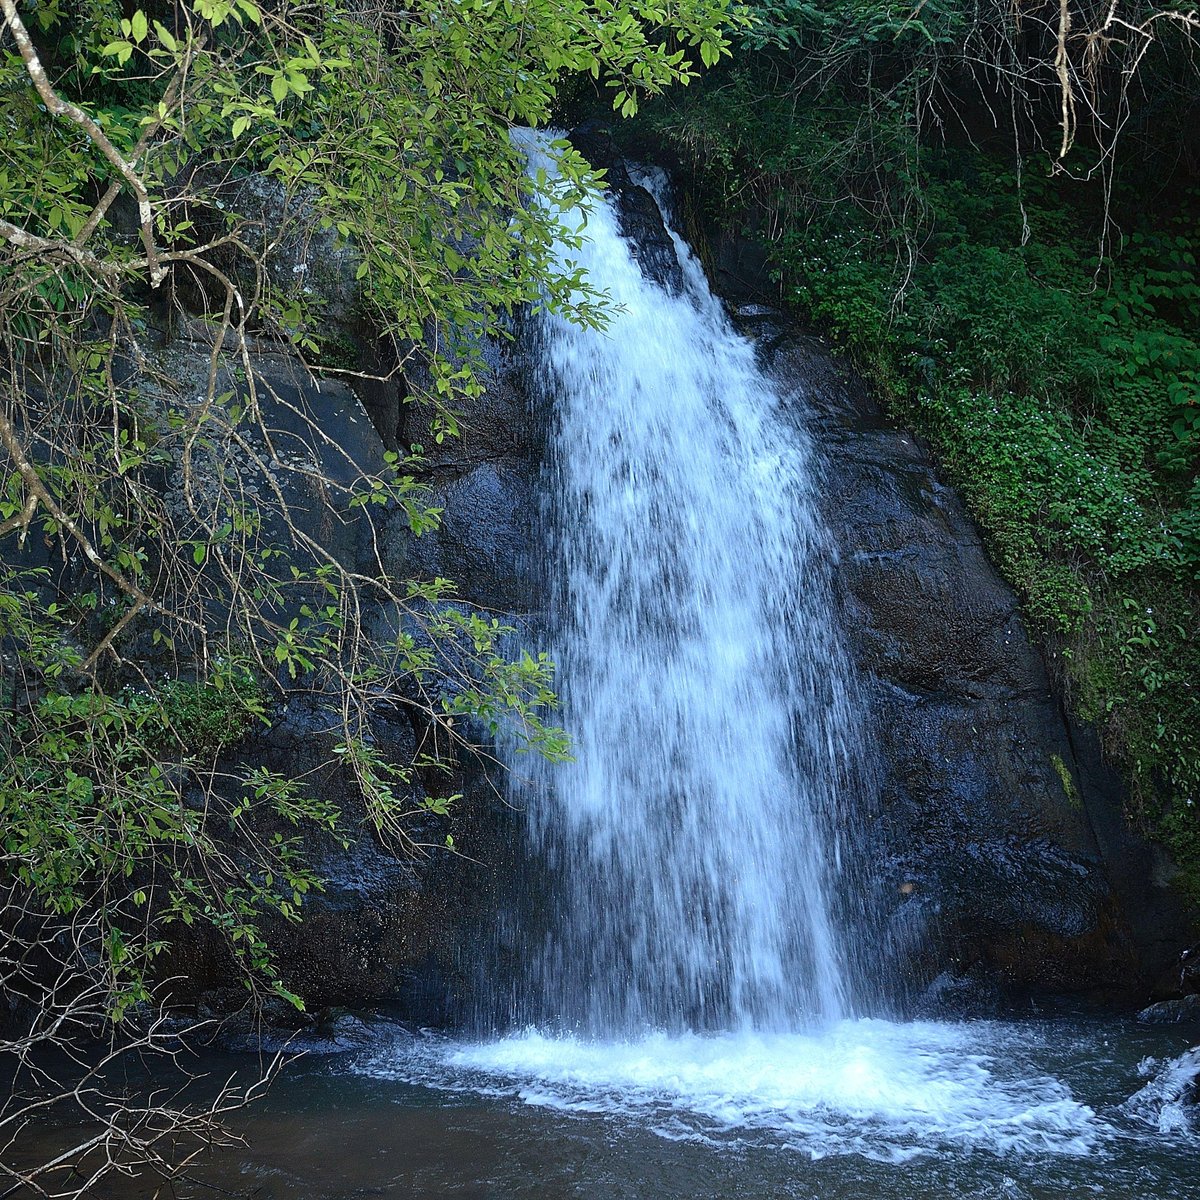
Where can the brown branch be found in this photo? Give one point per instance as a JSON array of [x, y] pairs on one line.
[[33, 484], [22, 519], [50, 247], [1064, 78], [97, 214], [24, 240], [111, 636], [59, 107]]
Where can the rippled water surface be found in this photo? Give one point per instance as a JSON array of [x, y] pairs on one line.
[[1052, 1110]]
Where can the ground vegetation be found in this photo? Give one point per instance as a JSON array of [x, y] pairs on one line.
[[995, 208]]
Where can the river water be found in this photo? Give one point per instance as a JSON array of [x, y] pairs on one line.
[[1036, 1109], [692, 1018]]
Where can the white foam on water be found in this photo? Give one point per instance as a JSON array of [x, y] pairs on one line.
[[882, 1090], [1168, 1103]]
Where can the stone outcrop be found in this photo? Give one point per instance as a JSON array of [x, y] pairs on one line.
[[388, 927], [1005, 866], [997, 828], [638, 215]]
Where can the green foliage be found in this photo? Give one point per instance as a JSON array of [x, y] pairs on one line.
[[1055, 409], [190, 601], [205, 718], [1068, 781], [394, 126], [95, 810], [1058, 385], [853, 26]]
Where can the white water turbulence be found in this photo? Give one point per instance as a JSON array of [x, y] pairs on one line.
[[879, 1090], [1168, 1102], [692, 848]]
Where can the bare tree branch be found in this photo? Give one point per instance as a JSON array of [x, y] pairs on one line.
[[59, 107]]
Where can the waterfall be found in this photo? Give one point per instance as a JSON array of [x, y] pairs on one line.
[[683, 956], [694, 846]]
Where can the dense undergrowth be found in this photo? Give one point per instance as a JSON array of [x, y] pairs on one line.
[[1040, 328]]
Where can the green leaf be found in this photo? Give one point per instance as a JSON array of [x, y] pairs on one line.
[[166, 36]]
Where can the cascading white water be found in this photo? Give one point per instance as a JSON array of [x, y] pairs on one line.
[[691, 912], [694, 840]]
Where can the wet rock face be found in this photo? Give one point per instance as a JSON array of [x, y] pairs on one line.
[[1002, 852], [1189, 971], [486, 482], [641, 221], [486, 537], [1184, 1010], [638, 214], [1005, 867], [1004, 863], [388, 927]]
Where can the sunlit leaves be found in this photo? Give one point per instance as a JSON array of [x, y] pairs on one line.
[[387, 131]]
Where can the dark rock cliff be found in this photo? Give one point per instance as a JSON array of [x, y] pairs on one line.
[[1006, 868], [998, 832]]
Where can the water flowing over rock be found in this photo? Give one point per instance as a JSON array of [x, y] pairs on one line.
[[692, 849], [1170, 1101], [992, 849], [798, 542]]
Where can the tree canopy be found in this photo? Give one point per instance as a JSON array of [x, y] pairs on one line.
[[159, 593]]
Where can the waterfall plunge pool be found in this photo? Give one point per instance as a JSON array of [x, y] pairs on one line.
[[1037, 1109]]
